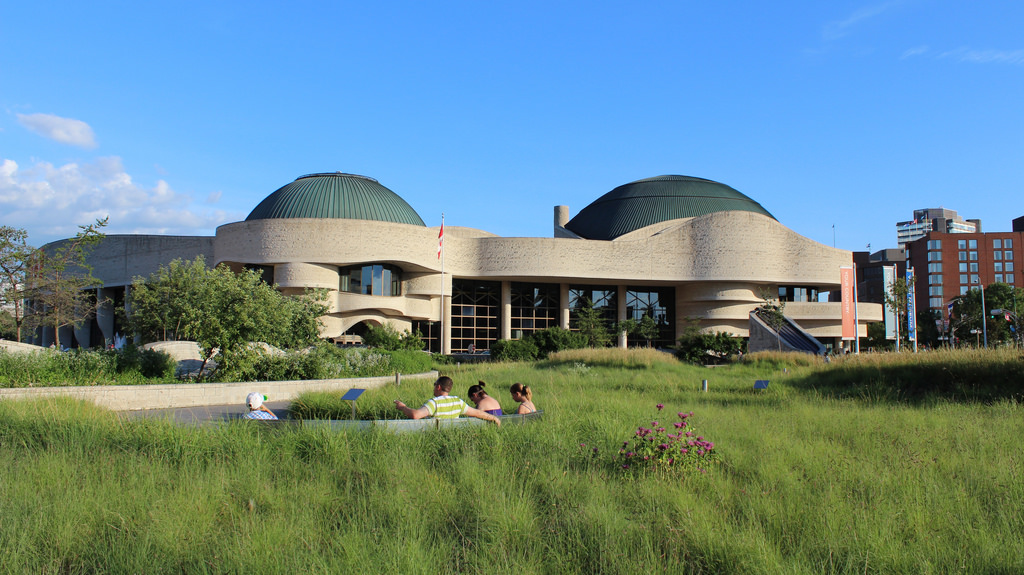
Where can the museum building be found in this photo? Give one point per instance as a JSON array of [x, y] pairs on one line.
[[675, 248]]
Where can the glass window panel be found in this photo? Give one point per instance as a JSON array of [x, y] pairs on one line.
[[963, 256], [999, 278], [997, 243], [378, 280], [366, 279], [974, 256], [974, 279], [998, 266], [1008, 254], [1008, 266], [961, 244], [963, 267], [963, 278], [974, 266], [1008, 243], [972, 244]]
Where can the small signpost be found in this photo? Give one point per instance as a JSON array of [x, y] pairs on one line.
[[352, 395], [761, 384]]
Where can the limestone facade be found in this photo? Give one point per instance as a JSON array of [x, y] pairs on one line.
[[719, 265]]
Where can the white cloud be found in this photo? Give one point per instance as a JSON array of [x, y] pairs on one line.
[[52, 201], [841, 28], [985, 56], [63, 130], [915, 51]]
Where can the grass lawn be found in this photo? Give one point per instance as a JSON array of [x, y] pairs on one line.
[[875, 464]]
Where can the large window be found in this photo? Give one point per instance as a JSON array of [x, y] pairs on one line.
[[475, 314], [657, 303], [266, 272], [371, 279], [534, 308], [798, 293], [602, 298], [430, 333]]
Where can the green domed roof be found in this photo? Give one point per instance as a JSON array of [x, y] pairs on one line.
[[639, 204], [336, 195]]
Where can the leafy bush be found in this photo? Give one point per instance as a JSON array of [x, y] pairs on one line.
[[555, 339], [387, 337], [81, 367], [706, 348], [383, 336], [149, 363], [513, 350]]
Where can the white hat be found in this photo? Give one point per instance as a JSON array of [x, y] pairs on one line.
[[254, 400]]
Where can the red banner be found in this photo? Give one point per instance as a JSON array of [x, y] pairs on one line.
[[846, 279]]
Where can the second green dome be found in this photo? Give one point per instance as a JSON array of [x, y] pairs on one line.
[[642, 203]]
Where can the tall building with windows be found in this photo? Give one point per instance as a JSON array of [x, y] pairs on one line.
[[934, 220], [673, 248], [947, 265]]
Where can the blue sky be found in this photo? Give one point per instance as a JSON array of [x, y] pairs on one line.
[[175, 118]]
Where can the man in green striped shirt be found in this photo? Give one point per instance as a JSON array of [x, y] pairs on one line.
[[444, 406]]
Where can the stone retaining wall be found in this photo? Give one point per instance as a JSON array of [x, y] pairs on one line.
[[133, 397]]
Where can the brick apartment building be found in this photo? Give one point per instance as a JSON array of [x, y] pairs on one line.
[[950, 264]]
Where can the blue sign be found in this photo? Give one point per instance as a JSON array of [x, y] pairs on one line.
[[761, 384], [911, 307], [352, 394]]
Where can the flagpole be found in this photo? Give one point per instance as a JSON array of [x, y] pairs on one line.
[[856, 314], [440, 248]]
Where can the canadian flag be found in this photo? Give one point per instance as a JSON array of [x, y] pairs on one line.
[[440, 240]]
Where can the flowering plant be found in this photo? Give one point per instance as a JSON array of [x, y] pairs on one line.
[[675, 446]]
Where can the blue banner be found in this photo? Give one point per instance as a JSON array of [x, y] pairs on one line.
[[911, 307]]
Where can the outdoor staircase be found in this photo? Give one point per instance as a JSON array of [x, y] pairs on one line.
[[790, 337]]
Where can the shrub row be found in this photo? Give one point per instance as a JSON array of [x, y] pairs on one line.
[[129, 365]]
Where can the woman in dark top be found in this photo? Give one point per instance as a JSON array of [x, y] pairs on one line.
[[482, 401]]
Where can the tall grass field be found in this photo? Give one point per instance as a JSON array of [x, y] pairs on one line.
[[871, 464]]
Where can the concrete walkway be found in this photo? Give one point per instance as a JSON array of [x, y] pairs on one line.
[[199, 415]]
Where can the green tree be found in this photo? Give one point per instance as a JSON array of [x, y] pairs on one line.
[[896, 300], [592, 324], [15, 254], [387, 337], [648, 328], [223, 312], [168, 301], [628, 327], [60, 281], [927, 330], [554, 339], [967, 313], [876, 340]]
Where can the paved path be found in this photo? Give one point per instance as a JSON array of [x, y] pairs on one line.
[[205, 413]]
